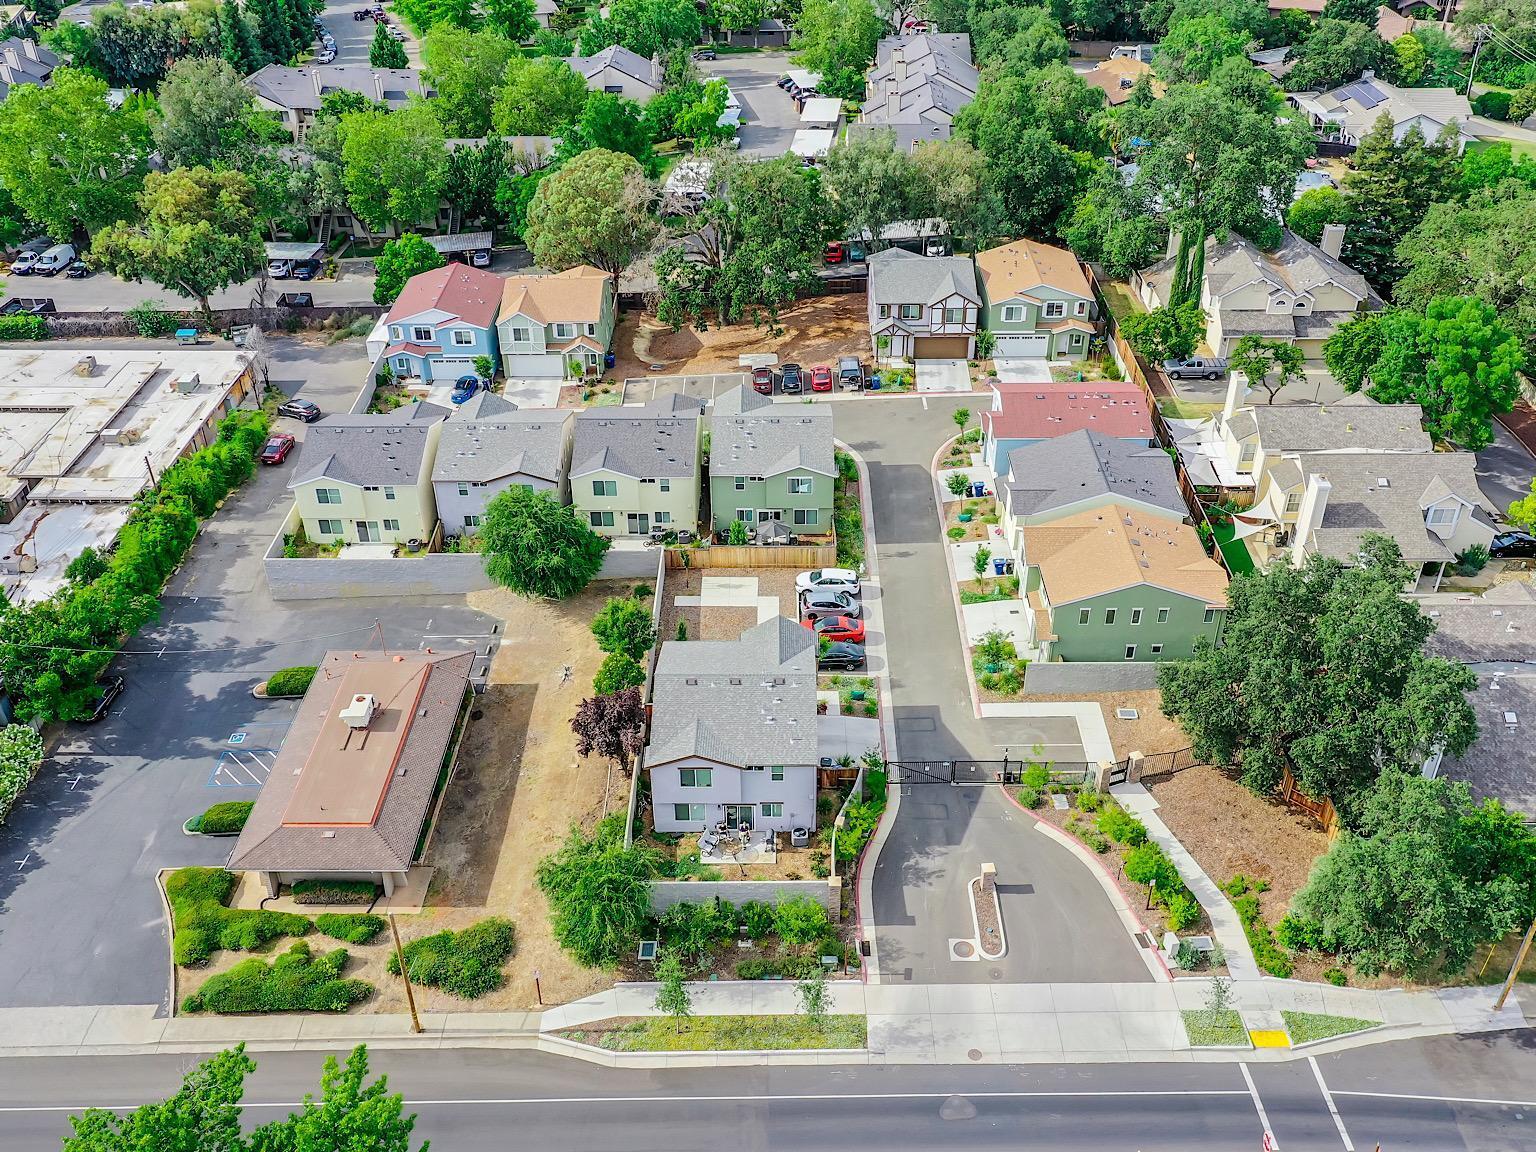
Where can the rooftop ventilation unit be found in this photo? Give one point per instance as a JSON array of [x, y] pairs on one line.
[[359, 711]]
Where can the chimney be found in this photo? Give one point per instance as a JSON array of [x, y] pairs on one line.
[[314, 74], [899, 61], [1332, 242], [1173, 243], [1314, 502], [29, 47], [1368, 74], [1235, 393], [378, 87]]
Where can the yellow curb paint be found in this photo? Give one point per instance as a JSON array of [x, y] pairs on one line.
[[1267, 1039]]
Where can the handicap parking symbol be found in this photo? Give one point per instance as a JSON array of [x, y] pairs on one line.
[[237, 738]]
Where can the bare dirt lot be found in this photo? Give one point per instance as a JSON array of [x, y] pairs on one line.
[[721, 623], [816, 331]]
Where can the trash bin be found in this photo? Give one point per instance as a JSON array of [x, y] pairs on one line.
[[609, 360], [999, 564], [979, 488], [964, 517], [1008, 568]]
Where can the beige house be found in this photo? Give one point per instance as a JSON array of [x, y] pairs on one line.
[[294, 95], [550, 327], [621, 72], [367, 479], [635, 469]]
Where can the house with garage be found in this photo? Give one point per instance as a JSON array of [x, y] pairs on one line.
[[1048, 480], [367, 478], [441, 321], [489, 445], [620, 71], [1038, 302], [556, 326], [1343, 115], [770, 463], [1115, 583], [1022, 414], [923, 307], [635, 468], [358, 781], [733, 733], [1298, 294]]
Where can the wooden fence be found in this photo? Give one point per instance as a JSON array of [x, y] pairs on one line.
[[754, 556], [1320, 810]]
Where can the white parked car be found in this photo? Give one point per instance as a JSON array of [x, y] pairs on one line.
[[55, 260], [279, 269], [830, 579]]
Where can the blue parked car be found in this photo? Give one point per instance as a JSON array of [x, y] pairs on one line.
[[466, 387]]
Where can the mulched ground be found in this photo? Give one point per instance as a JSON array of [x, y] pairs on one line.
[[1521, 423]]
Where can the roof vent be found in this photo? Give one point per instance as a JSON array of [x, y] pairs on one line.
[[1511, 719], [359, 712], [1383, 482]]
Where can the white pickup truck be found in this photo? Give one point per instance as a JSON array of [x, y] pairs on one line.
[[1199, 367]]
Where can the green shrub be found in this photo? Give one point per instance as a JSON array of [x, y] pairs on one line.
[[150, 321], [465, 964], [1089, 800], [352, 927], [1494, 105], [783, 967], [21, 754], [692, 930], [290, 681], [1265, 951], [957, 533], [1121, 827], [1336, 977], [800, 920], [617, 672], [1030, 797], [202, 924], [23, 328], [1009, 682], [1181, 910], [1037, 776], [335, 892], [1471, 560], [296, 981], [1298, 934], [222, 819], [1147, 863], [758, 917]]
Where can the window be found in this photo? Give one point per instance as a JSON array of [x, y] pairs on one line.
[[911, 311], [1077, 339], [883, 311], [954, 315], [330, 527], [805, 517], [1292, 503], [391, 525], [1109, 615], [421, 333], [688, 813], [1162, 615], [471, 521], [746, 515], [605, 487], [695, 777], [1135, 615], [564, 331], [1054, 308], [1210, 615], [741, 484], [370, 487], [600, 519], [776, 772], [463, 488], [1443, 515], [389, 493], [402, 363], [520, 336], [1130, 651], [394, 332], [665, 484], [616, 89], [463, 337], [591, 329], [1083, 615], [1157, 649], [1247, 453], [774, 809], [327, 495], [662, 517], [1013, 313], [800, 485], [1082, 308]]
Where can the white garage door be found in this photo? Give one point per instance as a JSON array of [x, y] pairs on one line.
[[533, 367], [1022, 347], [451, 367]]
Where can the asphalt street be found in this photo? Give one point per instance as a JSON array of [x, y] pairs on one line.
[[1437, 1095], [1060, 925], [80, 920]]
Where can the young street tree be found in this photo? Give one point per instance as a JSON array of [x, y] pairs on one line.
[[1321, 670], [399, 260], [812, 994], [198, 236], [672, 996], [351, 1114], [1258, 359], [596, 210], [611, 726], [536, 546]]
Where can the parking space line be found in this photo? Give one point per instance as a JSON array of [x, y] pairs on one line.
[[1258, 1105], [243, 768], [1338, 1121]]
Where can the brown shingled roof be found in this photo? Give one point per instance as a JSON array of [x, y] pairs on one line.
[[575, 295], [1110, 548]]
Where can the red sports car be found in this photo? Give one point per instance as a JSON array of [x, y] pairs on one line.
[[821, 378], [843, 628], [835, 253], [277, 447]]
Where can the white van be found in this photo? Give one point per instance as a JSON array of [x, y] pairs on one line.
[[55, 260]]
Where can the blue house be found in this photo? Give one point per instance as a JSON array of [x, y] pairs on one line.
[[441, 321]]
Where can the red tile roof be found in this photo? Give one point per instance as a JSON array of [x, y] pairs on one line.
[[1045, 411], [471, 294]]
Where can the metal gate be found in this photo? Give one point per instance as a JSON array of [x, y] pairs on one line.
[[977, 773]]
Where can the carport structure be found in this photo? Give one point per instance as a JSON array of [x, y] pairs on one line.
[[461, 245]]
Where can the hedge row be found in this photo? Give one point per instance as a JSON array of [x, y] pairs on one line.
[[203, 925], [21, 754], [786, 968], [335, 892], [222, 819], [352, 927], [23, 328], [297, 981], [465, 964], [290, 681]]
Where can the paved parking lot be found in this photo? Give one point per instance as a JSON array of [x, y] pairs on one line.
[[644, 389], [769, 116]]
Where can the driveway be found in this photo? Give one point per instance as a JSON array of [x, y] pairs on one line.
[[769, 116], [1023, 371], [1505, 468], [1060, 924], [943, 376], [81, 920]]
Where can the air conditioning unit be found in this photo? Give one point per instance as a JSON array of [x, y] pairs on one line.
[[186, 382], [359, 711]]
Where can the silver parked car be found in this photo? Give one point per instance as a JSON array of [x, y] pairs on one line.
[[817, 604]]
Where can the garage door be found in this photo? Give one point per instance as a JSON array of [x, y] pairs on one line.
[[1022, 347], [450, 367], [534, 367], [941, 347]]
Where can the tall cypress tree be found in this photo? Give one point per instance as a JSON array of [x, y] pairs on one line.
[[237, 43]]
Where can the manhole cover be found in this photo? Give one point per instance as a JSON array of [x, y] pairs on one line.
[[996, 973], [974, 1054], [964, 948]]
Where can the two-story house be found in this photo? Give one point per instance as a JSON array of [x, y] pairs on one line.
[[923, 307], [441, 321], [489, 445], [733, 732], [916, 86], [294, 95], [1114, 584], [1050, 479], [636, 468], [1023, 413], [556, 326], [1299, 294], [366, 479], [1037, 300], [619, 70], [770, 462]]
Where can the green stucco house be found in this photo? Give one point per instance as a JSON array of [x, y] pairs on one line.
[[770, 463], [1037, 302]]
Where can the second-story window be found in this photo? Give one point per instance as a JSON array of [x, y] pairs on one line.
[[664, 484], [327, 495], [605, 487], [1055, 308], [421, 333], [1013, 313], [954, 315], [799, 485], [911, 311], [463, 337], [520, 336], [564, 331]]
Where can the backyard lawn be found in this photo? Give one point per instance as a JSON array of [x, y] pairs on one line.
[[1238, 557]]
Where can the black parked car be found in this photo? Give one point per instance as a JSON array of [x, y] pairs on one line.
[[77, 270], [1513, 546], [300, 409], [841, 656], [705, 54], [790, 378], [110, 691], [306, 269]]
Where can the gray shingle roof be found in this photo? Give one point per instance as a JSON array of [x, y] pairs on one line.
[[305, 87], [739, 702], [1500, 763], [938, 80], [750, 435], [528, 443], [1498, 626], [621, 59], [1297, 265], [1364, 427], [369, 448], [1054, 473], [649, 440], [897, 276]]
